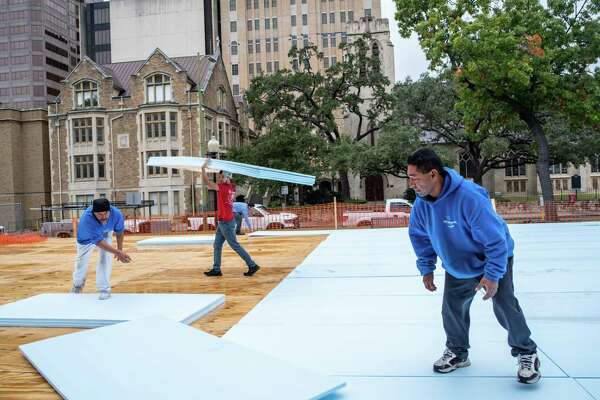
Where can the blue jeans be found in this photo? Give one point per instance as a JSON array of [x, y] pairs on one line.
[[226, 232]]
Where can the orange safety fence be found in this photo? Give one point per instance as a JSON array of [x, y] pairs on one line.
[[350, 215], [21, 238]]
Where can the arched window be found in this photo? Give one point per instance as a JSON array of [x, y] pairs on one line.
[[86, 94], [221, 98], [158, 88]]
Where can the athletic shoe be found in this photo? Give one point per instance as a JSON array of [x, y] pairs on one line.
[[252, 270], [529, 368], [213, 272], [449, 361]]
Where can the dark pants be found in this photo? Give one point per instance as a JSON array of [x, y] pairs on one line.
[[238, 223], [458, 296], [226, 232]]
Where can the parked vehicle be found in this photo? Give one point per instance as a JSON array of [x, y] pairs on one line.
[[61, 229], [260, 217], [397, 212]]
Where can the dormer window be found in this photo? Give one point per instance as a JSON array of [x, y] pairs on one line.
[[86, 94], [221, 93], [158, 89]]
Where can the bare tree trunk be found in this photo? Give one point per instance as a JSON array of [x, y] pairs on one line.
[[345, 181], [542, 164]]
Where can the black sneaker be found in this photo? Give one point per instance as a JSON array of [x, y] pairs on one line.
[[529, 368], [213, 272], [252, 270], [449, 361]]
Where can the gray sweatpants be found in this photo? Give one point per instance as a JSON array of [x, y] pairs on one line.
[[103, 268], [458, 296]]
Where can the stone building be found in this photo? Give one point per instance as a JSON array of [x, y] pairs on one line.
[[111, 118]]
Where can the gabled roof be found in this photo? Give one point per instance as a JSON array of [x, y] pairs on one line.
[[198, 69]]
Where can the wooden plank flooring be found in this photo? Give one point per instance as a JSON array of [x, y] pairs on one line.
[[27, 270]]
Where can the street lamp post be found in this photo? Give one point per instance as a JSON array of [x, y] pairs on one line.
[[213, 147]]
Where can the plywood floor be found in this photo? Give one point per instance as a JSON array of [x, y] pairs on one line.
[[26, 270]]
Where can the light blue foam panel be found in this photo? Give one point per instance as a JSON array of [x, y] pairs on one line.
[[86, 311], [176, 241], [158, 358], [382, 350], [561, 307], [255, 171], [451, 387], [290, 233], [591, 385], [573, 345]]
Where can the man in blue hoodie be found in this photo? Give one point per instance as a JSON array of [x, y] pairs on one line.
[[95, 230], [453, 219]]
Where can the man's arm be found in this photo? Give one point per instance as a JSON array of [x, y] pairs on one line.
[[120, 238], [119, 254], [211, 185], [426, 255]]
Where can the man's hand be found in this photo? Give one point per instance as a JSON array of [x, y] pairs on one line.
[[490, 287], [428, 282], [205, 163], [122, 256]]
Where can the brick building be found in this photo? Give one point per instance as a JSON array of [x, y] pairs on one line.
[[111, 118]]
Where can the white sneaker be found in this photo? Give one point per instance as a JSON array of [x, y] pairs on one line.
[[104, 295], [76, 289], [449, 361], [529, 368]]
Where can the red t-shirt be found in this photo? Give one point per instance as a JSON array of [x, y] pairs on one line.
[[225, 198]]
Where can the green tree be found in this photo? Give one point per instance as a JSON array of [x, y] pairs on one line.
[[517, 58], [354, 86]]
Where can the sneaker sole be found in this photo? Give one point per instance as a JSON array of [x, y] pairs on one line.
[[530, 381], [463, 364]]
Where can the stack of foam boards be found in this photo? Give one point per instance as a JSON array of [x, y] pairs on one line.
[[157, 358], [86, 311], [356, 308], [170, 241]]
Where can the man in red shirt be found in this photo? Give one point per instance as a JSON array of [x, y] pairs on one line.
[[226, 222]]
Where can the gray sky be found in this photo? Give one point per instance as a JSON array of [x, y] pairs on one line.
[[408, 56]]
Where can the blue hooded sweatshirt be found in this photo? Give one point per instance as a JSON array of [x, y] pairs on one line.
[[90, 230], [462, 229]]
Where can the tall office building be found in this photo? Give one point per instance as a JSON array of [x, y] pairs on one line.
[[257, 34], [39, 45], [178, 27], [96, 30]]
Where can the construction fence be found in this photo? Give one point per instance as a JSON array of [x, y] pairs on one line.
[[352, 216]]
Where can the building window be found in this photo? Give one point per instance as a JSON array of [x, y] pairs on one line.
[[276, 45], [304, 19], [257, 24], [233, 26], [367, 12], [350, 16], [84, 166], [234, 48], [561, 184], [232, 5], [208, 123], [236, 89], [250, 46], [100, 130], [515, 168], [332, 18], [101, 166], [156, 125], [293, 20], [295, 64], [274, 22], [325, 62], [221, 97], [269, 67], [267, 3], [595, 183], [251, 69], [276, 65], [273, 3], [249, 25], [323, 18], [258, 68], [161, 203], [82, 131], [176, 209], [558, 169], [294, 41], [268, 45], [234, 69], [267, 24], [257, 46], [256, 4], [516, 186], [292, 2], [304, 40], [325, 40], [173, 124], [342, 16], [466, 165], [158, 88], [333, 41], [248, 4], [156, 171], [86, 94]]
